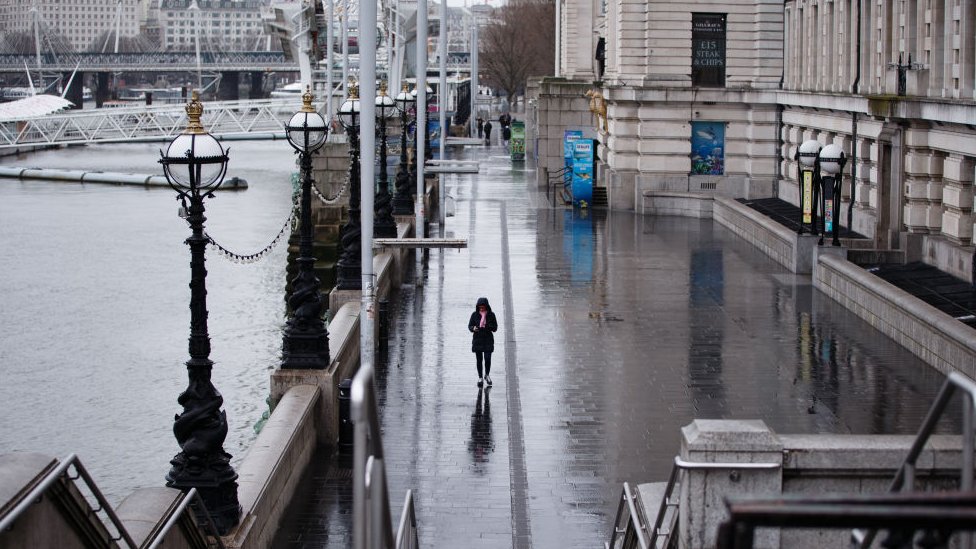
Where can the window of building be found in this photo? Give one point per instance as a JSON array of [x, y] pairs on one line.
[[708, 49]]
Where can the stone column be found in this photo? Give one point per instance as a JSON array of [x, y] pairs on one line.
[[76, 88], [918, 180], [704, 491], [256, 90], [965, 63], [957, 197], [229, 87], [102, 91]]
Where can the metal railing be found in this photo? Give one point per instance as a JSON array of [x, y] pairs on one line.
[[633, 531], [936, 515], [564, 176], [372, 526], [904, 480], [660, 535], [62, 475]]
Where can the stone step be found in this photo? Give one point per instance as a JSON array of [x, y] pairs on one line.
[[650, 497]]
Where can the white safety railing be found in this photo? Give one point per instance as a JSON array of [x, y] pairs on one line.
[[372, 525], [147, 123]]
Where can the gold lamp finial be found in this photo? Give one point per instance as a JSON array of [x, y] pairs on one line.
[[307, 98], [194, 110], [382, 87], [353, 90]]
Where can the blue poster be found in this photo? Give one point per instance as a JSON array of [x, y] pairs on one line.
[[582, 172], [569, 136], [434, 137], [707, 148]]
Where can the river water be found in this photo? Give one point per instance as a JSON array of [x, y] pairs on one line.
[[95, 308]]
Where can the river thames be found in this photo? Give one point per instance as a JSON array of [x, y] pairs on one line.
[[95, 308]]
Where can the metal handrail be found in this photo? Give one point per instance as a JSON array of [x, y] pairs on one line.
[[657, 533], [187, 499], [407, 534], [372, 526], [906, 471], [633, 517], [566, 174], [54, 476]]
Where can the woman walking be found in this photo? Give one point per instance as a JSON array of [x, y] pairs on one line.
[[481, 325]]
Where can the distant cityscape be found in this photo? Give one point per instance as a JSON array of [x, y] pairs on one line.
[[170, 25]]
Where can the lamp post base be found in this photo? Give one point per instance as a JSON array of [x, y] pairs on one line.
[[217, 487], [305, 348]]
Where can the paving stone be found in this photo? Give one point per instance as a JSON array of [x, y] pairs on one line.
[[615, 331]]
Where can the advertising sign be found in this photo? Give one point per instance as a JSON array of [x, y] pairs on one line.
[[828, 191], [582, 172], [569, 136], [807, 198], [517, 143], [707, 148], [708, 49]]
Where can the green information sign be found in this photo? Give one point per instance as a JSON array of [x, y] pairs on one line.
[[516, 144]]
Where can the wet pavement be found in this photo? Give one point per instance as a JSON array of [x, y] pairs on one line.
[[615, 330]]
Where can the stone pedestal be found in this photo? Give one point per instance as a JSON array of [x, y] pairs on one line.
[[704, 491]]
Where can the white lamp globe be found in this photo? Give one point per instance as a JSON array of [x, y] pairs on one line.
[[808, 152], [831, 158]]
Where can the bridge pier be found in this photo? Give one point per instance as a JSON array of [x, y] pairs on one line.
[[102, 90], [257, 85], [76, 88], [229, 88]]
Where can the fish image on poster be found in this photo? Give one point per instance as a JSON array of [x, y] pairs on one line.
[[708, 148]]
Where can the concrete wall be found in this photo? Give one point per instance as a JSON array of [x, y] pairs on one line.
[[803, 465], [930, 334]]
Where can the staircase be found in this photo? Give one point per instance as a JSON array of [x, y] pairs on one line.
[[600, 199]]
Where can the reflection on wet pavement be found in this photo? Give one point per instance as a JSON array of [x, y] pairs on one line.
[[615, 331]]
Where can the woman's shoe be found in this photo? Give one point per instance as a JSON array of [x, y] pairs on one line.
[[488, 380], [480, 382]]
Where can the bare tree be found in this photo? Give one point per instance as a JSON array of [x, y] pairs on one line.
[[518, 44]]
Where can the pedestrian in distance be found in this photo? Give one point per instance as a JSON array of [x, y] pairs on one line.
[[506, 134], [481, 127], [481, 325], [488, 133]]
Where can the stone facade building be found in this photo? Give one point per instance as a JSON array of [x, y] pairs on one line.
[[79, 22], [234, 25], [716, 96]]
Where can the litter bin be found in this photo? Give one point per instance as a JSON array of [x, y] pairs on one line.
[[346, 429]]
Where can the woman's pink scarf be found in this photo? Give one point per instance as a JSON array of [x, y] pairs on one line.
[[484, 316]]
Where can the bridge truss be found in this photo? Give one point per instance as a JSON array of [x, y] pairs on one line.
[[142, 123]]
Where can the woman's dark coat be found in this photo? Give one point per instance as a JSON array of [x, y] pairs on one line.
[[483, 340]]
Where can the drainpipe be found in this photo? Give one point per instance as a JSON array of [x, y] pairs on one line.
[[854, 91], [559, 9]]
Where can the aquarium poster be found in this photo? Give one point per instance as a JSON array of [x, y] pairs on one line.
[[707, 148], [569, 137]]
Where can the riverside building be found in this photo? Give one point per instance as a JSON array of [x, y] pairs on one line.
[[716, 96], [79, 22]]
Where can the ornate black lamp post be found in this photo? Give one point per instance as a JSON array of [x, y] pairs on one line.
[[306, 340], [349, 266], [428, 150], [195, 165], [402, 200], [832, 162], [384, 226]]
